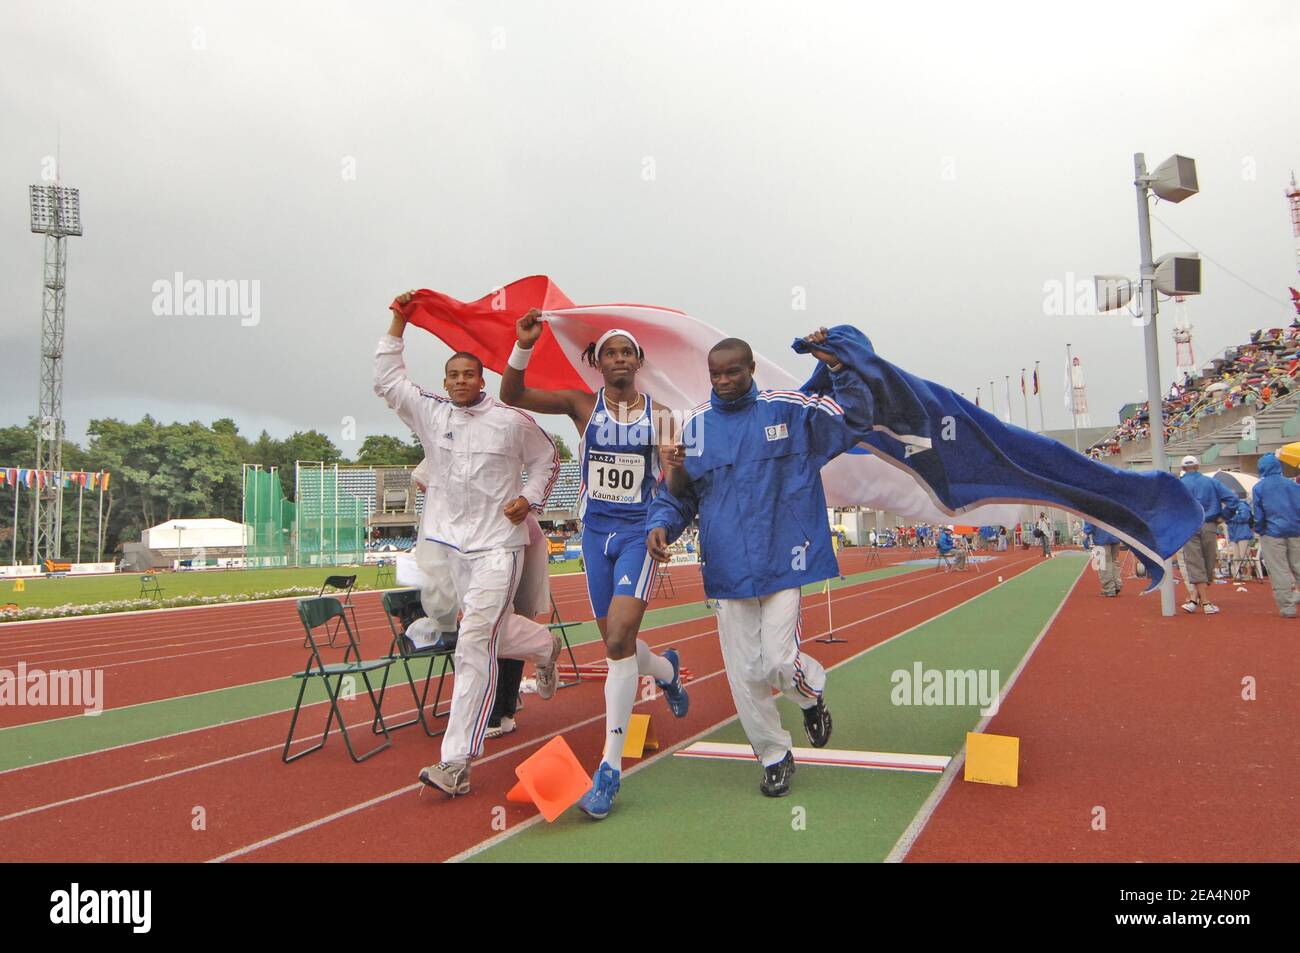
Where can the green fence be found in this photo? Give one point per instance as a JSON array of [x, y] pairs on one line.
[[268, 520], [331, 523]]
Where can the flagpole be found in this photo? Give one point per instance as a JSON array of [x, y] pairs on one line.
[[81, 490], [1024, 397], [15, 547], [1074, 407], [1042, 425], [1007, 378], [99, 538], [993, 397]]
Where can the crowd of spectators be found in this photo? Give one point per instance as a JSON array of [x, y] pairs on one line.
[[1256, 374]]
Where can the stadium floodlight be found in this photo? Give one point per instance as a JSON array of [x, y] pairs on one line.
[[56, 210], [1174, 179], [1112, 291], [1178, 273]]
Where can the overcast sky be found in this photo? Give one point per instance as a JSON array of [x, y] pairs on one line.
[[919, 173]]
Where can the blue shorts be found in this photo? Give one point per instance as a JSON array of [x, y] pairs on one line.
[[617, 565]]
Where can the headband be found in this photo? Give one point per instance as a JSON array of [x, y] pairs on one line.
[[600, 341]]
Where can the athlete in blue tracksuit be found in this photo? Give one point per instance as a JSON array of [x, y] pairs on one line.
[[1108, 561], [749, 463], [1201, 552], [1240, 535], [1276, 510], [619, 456]]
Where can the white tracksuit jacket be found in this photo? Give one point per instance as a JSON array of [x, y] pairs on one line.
[[476, 454]]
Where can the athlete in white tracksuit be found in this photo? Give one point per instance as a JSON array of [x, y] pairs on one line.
[[475, 515]]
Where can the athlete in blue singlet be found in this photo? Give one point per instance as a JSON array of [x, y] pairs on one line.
[[620, 469]]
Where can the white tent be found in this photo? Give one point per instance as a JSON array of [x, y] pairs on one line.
[[193, 534]]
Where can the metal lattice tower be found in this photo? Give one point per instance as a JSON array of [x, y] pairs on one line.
[[56, 213]]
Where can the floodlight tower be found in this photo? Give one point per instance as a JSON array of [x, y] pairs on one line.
[[56, 214]]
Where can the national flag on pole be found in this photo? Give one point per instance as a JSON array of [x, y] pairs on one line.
[[1022, 382], [977, 397], [1035, 381], [103, 482], [1076, 395]]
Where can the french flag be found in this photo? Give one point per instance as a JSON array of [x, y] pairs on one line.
[[887, 472]]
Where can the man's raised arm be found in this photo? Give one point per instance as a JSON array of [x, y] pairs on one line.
[[528, 331], [391, 383]]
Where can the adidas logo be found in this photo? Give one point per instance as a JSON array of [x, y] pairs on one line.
[[448, 436], [616, 731], [625, 581]]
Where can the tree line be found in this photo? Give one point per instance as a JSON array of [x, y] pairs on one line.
[[171, 471]]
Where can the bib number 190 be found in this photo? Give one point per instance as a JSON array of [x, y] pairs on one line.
[[615, 477]]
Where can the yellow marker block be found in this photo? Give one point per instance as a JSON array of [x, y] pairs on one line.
[[640, 737], [992, 759], [20, 585]]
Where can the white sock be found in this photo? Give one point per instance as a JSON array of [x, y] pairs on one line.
[[648, 663], [620, 696]]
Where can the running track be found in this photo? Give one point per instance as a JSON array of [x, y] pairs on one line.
[[138, 802]]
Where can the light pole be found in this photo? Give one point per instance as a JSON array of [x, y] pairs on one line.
[[179, 550], [56, 214], [1177, 274]]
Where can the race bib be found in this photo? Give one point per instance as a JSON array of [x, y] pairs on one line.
[[615, 477]]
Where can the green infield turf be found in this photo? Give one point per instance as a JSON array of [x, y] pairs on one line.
[[695, 810]]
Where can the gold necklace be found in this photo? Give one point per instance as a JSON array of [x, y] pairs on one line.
[[640, 400]]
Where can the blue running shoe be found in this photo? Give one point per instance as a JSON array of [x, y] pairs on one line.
[[597, 802], [678, 701]]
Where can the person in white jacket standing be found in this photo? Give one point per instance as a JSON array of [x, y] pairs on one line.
[[474, 516]]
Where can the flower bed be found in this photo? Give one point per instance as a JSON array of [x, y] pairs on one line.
[[134, 605]]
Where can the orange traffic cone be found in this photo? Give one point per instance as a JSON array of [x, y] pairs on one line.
[[551, 778]]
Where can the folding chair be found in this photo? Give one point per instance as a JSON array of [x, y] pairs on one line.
[[316, 614], [344, 585], [873, 555], [558, 623], [945, 560], [663, 579], [397, 604], [149, 586], [384, 575]]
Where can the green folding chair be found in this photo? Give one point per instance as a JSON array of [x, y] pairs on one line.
[[384, 573], [344, 585], [564, 627], [316, 615], [149, 586], [395, 605]]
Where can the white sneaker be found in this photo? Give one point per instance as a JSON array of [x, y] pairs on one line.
[[507, 725], [1211, 608], [548, 678], [1190, 606]]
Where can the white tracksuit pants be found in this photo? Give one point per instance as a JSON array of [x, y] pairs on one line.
[[760, 649], [484, 586]]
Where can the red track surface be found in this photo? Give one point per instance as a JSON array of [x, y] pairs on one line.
[[313, 809], [156, 655], [1122, 709]]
